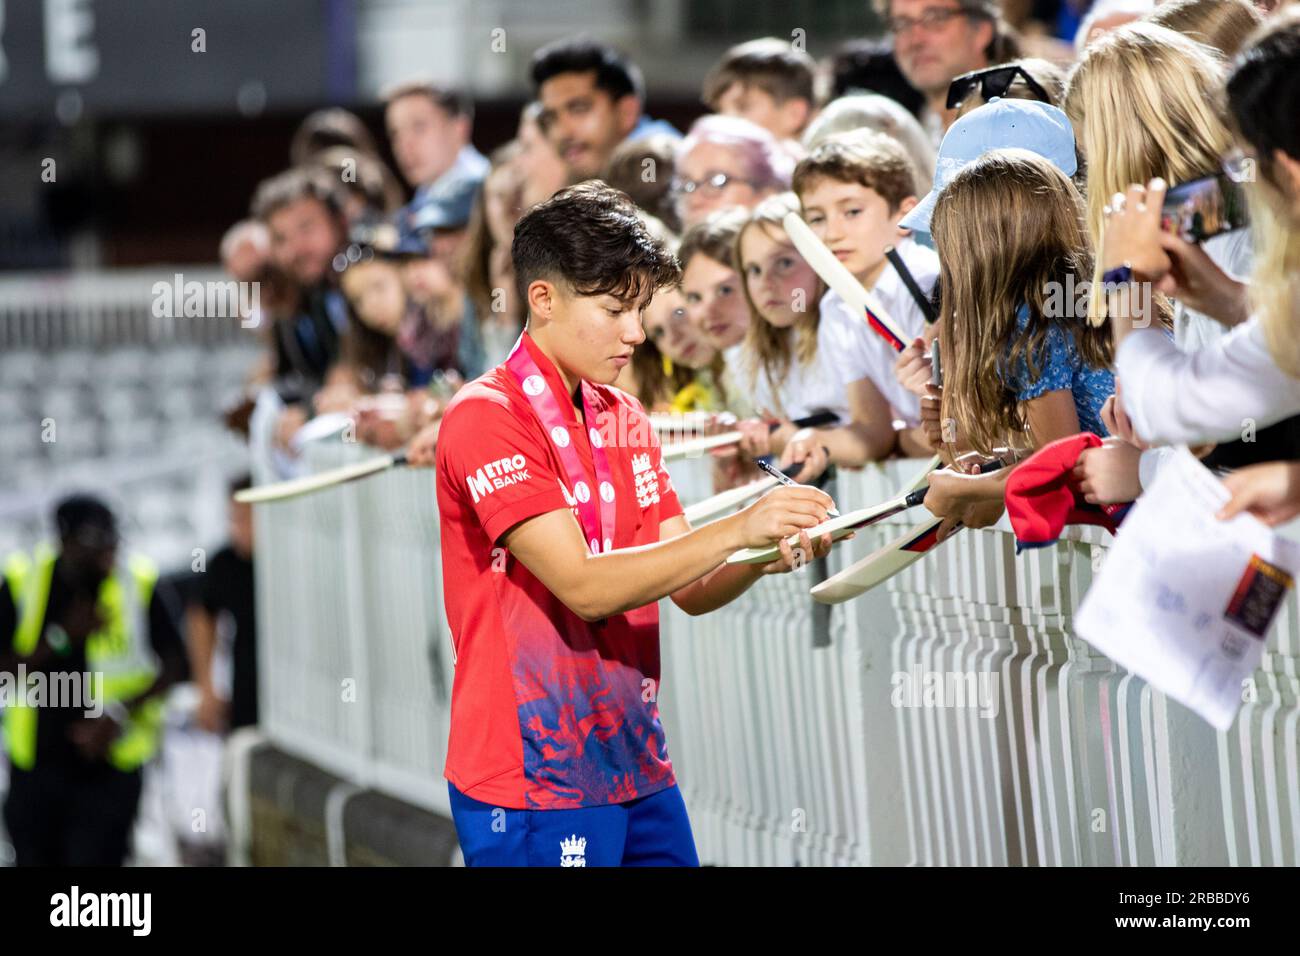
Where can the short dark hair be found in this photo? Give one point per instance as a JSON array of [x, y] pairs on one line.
[[370, 179], [615, 74], [300, 182], [452, 102], [590, 238], [772, 65], [78, 513], [1264, 87]]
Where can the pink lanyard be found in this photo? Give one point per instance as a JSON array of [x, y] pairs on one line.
[[547, 410]]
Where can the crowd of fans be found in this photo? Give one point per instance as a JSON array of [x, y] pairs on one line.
[[996, 177]]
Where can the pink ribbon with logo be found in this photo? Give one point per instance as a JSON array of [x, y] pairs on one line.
[[597, 525]]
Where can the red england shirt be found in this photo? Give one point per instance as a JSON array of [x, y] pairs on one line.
[[548, 711]]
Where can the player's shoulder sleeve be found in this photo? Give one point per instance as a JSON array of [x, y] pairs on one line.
[[491, 458], [638, 423]]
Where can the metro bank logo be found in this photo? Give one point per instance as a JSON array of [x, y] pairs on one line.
[[496, 475]]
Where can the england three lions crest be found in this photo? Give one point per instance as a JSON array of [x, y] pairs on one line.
[[573, 851], [647, 481]]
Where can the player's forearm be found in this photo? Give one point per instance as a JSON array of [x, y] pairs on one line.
[[716, 589], [619, 581]]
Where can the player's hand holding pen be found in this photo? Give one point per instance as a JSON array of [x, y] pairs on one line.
[[781, 514]]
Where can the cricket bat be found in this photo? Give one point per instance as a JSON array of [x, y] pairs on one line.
[[881, 565], [837, 528], [836, 275]]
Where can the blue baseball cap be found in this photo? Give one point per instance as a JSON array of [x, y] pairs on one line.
[[998, 124]]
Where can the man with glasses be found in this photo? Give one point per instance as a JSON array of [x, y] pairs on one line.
[[937, 40]]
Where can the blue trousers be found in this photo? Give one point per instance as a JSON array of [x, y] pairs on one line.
[[647, 831]]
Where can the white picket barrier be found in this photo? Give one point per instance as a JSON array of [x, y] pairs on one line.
[[804, 734]]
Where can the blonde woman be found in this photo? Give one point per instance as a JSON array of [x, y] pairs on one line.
[[1171, 127], [1252, 375], [1143, 104]]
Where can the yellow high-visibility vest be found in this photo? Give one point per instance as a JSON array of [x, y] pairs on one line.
[[118, 656]]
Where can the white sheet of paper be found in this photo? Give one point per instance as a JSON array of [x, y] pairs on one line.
[[1165, 604]]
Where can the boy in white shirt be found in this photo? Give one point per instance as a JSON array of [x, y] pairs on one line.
[[854, 188]]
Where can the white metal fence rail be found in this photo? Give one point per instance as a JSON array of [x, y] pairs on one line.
[[803, 734]]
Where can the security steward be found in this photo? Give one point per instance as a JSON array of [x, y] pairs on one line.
[[98, 635]]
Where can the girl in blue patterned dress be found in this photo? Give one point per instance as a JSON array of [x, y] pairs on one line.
[[1022, 366]]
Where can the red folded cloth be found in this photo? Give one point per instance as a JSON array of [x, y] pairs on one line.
[[1042, 496]]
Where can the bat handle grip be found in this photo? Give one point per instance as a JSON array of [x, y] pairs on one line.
[[399, 459], [818, 419], [916, 497]]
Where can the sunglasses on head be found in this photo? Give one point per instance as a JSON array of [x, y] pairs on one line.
[[992, 82]]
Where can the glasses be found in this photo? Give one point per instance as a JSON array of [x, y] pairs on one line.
[[711, 185], [931, 19], [992, 82]]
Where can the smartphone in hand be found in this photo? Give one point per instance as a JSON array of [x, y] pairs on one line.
[[1205, 207]]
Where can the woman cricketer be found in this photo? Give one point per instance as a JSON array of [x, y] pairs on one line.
[[560, 532]]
